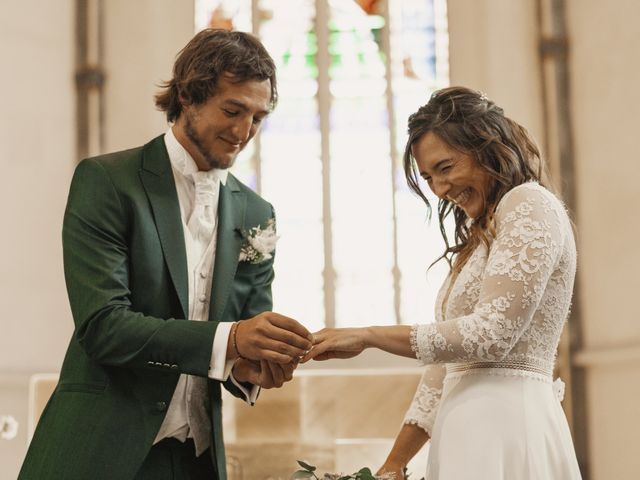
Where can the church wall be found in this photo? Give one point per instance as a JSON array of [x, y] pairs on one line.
[[605, 72], [142, 40], [493, 48], [37, 147], [38, 155]]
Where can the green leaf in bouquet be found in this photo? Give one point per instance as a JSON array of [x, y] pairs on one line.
[[365, 474], [302, 474], [306, 466]]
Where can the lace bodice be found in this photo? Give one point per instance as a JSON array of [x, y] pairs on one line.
[[508, 303]]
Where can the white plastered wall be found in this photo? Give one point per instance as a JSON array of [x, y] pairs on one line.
[[38, 155], [605, 74], [37, 148], [142, 39], [493, 47]]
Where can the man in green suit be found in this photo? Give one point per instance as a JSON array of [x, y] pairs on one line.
[[165, 253]]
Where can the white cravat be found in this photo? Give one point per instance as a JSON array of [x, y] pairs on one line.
[[202, 226], [198, 194], [203, 221]]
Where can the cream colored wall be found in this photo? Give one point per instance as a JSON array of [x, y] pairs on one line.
[[142, 39], [38, 155], [493, 48], [37, 144], [605, 74]]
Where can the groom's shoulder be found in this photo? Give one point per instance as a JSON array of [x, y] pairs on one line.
[[124, 164], [121, 160], [253, 199], [129, 158]]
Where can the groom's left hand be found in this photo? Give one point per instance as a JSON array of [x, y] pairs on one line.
[[264, 374]]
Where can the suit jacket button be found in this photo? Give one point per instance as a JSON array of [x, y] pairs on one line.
[[161, 406]]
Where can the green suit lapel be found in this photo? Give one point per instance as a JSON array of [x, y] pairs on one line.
[[157, 178], [231, 209]]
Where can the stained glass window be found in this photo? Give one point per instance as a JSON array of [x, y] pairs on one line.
[[355, 244]]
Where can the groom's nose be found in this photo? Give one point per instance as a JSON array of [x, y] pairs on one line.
[[242, 129]]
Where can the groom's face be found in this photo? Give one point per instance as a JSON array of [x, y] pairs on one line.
[[217, 130]]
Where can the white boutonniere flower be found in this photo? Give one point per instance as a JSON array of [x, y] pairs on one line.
[[8, 427], [259, 243]]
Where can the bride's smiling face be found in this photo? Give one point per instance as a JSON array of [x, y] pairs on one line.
[[452, 175]]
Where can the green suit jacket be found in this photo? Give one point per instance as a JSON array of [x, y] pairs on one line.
[[126, 273]]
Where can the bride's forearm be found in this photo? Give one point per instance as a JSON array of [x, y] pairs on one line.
[[393, 339], [408, 443]]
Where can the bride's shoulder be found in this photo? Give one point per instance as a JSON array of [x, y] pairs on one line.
[[528, 196]]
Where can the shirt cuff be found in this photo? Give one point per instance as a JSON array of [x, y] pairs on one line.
[[250, 396], [219, 366]]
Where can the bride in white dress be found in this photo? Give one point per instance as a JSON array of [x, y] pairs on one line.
[[486, 398]]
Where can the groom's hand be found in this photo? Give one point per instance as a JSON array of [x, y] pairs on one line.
[[265, 374], [272, 337]]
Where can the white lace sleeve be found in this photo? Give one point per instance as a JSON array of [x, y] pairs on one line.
[[424, 406], [526, 250]]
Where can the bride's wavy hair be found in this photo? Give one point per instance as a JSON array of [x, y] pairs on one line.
[[471, 123]]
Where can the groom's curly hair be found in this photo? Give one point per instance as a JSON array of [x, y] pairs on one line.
[[210, 55]]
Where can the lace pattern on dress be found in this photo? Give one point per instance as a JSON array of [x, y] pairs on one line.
[[424, 407], [413, 340], [509, 303]]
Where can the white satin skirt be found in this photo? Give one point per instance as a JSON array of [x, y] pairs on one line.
[[500, 424]]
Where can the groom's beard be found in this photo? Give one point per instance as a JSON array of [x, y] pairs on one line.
[[197, 142]]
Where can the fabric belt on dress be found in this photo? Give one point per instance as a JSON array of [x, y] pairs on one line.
[[508, 364]]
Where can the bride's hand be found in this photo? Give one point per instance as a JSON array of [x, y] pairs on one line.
[[396, 470], [337, 343]]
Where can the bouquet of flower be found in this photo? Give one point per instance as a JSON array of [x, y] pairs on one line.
[[309, 472]]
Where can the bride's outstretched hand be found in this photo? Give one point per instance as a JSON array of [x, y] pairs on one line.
[[337, 343]]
